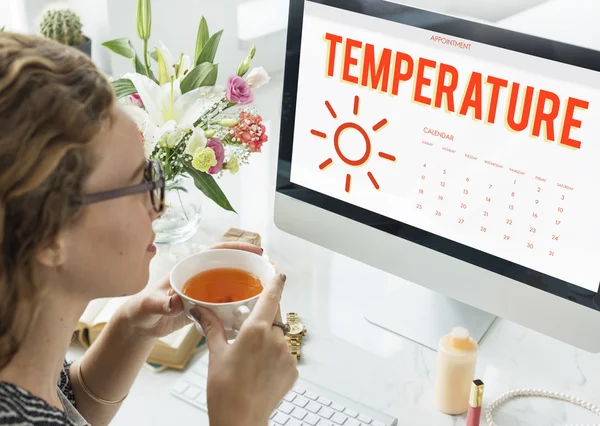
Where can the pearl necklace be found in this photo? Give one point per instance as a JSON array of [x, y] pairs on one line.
[[537, 392]]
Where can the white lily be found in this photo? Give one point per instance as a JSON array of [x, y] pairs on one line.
[[183, 66], [140, 118], [166, 64], [166, 108], [168, 68]]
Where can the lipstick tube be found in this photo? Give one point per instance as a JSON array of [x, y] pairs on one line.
[[475, 403]]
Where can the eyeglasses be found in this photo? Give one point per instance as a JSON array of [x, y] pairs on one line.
[[154, 183]]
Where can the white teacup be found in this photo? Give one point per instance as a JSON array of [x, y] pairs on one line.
[[232, 314]]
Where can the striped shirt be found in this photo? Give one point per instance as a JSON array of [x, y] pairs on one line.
[[19, 407]]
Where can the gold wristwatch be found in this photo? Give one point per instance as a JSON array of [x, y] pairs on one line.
[[295, 335]]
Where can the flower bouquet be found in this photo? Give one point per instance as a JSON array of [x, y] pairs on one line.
[[193, 127]]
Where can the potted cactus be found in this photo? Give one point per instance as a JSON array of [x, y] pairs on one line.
[[64, 26]]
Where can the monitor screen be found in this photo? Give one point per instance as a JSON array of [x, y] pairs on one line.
[[475, 141]]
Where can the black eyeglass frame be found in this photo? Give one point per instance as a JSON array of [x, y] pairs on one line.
[[149, 186]]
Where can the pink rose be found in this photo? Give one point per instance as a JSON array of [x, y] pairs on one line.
[[216, 145], [238, 91]]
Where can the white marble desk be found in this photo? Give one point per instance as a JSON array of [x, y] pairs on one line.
[[359, 360]]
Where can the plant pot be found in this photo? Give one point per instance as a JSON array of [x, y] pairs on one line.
[[85, 47]]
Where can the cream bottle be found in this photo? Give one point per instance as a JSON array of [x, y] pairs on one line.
[[455, 371]]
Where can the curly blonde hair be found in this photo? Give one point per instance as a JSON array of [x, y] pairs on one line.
[[53, 101]]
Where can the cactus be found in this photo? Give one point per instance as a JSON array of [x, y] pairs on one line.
[[62, 25]]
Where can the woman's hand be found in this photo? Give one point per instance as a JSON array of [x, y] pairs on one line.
[[157, 311], [248, 378]]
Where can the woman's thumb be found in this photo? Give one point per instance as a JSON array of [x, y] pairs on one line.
[[212, 327]]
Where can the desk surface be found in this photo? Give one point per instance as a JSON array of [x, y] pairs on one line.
[[353, 357], [364, 362]]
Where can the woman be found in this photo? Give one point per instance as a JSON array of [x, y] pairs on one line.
[[63, 141]]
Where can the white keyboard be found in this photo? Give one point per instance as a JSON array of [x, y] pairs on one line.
[[307, 404]]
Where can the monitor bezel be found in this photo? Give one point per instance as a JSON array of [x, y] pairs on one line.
[[450, 26]]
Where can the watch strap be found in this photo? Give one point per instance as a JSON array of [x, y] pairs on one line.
[[294, 346], [293, 342]]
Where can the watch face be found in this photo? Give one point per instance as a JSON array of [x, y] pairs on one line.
[[296, 329]]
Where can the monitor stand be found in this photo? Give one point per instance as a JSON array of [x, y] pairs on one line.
[[424, 316]]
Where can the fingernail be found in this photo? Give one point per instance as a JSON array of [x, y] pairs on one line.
[[170, 303], [283, 277], [195, 313]]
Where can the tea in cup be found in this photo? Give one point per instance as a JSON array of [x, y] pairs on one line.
[[226, 281]]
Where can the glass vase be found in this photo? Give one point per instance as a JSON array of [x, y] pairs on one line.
[[182, 215]]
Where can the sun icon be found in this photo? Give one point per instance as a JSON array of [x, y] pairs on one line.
[[358, 128]]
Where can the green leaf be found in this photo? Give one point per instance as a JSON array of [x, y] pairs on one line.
[[201, 39], [121, 46], [2, 29], [210, 49], [202, 75], [139, 65], [154, 55], [123, 87], [177, 188], [124, 47], [209, 187]]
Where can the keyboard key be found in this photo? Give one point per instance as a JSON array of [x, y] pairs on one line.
[[324, 422], [365, 419], [311, 395], [201, 369], [299, 413], [195, 380], [324, 401], [273, 414], [281, 419], [311, 419], [192, 392], [201, 398], [289, 397], [350, 413], [338, 407], [285, 407], [180, 387], [378, 424], [352, 422], [300, 401], [293, 422], [313, 407], [326, 412], [299, 391], [339, 419]]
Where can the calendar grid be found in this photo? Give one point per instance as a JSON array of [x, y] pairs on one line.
[[502, 203]]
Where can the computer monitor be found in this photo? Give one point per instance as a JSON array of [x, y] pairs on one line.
[[459, 156]]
